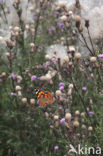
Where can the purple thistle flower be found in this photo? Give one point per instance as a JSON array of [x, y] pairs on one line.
[[91, 113], [100, 55], [33, 77], [12, 94], [84, 88], [62, 120], [53, 59], [61, 25], [61, 88], [61, 84], [56, 148], [13, 76]]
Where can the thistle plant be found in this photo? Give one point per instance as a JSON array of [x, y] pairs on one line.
[[75, 81]]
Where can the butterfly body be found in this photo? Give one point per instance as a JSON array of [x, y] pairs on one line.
[[44, 98]]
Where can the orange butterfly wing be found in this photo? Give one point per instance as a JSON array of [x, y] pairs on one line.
[[45, 98]]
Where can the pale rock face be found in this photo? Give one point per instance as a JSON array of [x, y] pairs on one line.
[[91, 9], [61, 51]]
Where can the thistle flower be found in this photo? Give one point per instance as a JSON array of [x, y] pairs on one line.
[[48, 77], [84, 88], [33, 77], [56, 148], [47, 57], [62, 4], [53, 59], [32, 101], [91, 113], [90, 128], [24, 100], [61, 88], [87, 23], [77, 112], [7, 54], [93, 59], [77, 56], [56, 117], [3, 74], [63, 18], [100, 56], [12, 94], [76, 124], [68, 116], [18, 88], [58, 92], [78, 21], [62, 120], [61, 25], [71, 86]]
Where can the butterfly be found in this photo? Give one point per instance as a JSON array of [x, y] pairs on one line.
[[44, 98]]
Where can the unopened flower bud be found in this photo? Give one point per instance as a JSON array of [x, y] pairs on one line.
[[19, 94], [58, 92], [87, 23], [18, 88], [3, 74], [24, 100], [90, 128], [77, 56], [56, 117], [71, 86], [7, 54], [62, 4], [47, 57], [93, 59], [16, 29], [32, 101], [68, 116], [82, 114], [77, 113], [64, 18], [76, 124], [32, 45], [83, 127], [78, 21], [27, 27]]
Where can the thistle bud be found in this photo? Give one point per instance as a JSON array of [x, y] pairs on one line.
[[78, 21], [90, 128], [77, 56], [18, 88], [76, 124], [93, 59], [68, 116], [32, 101], [87, 23], [24, 100], [58, 92], [56, 117]]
